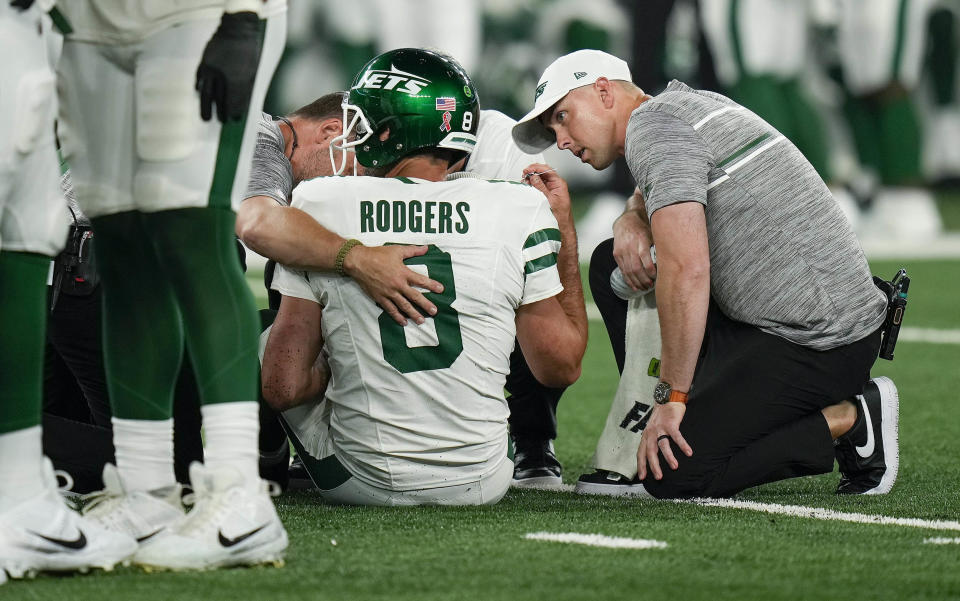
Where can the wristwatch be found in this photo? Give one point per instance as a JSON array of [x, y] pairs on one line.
[[664, 394]]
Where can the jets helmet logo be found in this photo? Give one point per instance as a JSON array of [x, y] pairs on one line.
[[394, 79], [540, 89]]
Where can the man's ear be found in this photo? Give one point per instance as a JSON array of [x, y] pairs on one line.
[[328, 129], [605, 89]]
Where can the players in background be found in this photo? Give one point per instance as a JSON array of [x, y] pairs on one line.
[[157, 171], [415, 414], [37, 530]]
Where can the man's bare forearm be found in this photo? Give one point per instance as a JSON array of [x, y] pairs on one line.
[[683, 288], [288, 236], [568, 264], [682, 302], [636, 205]]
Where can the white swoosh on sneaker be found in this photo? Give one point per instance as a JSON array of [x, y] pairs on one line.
[[867, 449]]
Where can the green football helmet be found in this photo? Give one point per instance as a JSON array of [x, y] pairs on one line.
[[425, 98]]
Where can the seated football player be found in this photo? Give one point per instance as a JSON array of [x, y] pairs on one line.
[[384, 414]]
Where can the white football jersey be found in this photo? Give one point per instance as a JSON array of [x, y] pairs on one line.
[[128, 21], [423, 406], [496, 155]]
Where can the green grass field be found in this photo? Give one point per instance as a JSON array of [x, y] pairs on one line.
[[481, 553]]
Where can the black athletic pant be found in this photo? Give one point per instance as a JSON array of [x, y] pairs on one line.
[[612, 308], [754, 410], [753, 414]]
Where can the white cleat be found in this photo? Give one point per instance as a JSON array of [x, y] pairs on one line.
[[140, 514], [229, 525], [43, 534]]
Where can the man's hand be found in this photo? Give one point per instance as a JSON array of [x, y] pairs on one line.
[[229, 67], [664, 426], [380, 271], [544, 178], [631, 251]]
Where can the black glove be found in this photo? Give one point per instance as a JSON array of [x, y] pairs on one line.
[[21, 4], [229, 67]]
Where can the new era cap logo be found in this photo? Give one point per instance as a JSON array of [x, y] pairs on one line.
[[580, 74], [540, 89]]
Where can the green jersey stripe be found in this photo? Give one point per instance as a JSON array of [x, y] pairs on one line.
[[743, 150], [228, 155], [899, 40], [542, 236], [543, 262]]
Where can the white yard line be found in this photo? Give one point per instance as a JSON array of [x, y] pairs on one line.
[[596, 540], [930, 335], [942, 541], [818, 513]]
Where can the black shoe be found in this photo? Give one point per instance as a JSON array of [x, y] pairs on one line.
[[299, 478], [535, 464], [273, 465], [602, 482], [869, 454]]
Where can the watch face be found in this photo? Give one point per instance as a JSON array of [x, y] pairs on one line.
[[661, 394]]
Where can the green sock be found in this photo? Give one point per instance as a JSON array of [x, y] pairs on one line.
[[198, 251], [863, 117], [901, 142], [23, 321], [142, 333]]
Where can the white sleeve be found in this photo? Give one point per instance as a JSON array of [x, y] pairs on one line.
[[290, 282], [541, 279]]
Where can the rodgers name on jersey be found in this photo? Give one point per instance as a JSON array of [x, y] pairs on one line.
[[428, 217]]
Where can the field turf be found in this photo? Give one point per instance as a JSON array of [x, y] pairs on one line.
[[711, 553]]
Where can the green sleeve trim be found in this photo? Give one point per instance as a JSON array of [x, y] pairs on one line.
[[228, 155], [60, 22], [743, 150], [543, 262], [898, 47], [735, 36], [405, 180], [541, 236]]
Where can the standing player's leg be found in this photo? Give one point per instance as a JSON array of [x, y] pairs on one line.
[[37, 531], [184, 186], [142, 335]]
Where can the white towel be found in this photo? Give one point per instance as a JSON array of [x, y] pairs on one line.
[[620, 439]]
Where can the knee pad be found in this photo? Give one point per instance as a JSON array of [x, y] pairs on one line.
[[168, 113]]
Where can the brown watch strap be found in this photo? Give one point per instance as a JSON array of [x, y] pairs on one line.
[[677, 397]]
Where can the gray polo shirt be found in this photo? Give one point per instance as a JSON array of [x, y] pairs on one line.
[[270, 174], [783, 256]]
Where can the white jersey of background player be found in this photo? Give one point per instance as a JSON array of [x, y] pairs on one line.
[[416, 413]]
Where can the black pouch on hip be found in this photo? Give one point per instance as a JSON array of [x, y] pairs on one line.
[[896, 293]]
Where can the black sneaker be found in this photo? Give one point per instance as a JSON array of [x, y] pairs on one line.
[[535, 464], [299, 478], [602, 482], [869, 454]]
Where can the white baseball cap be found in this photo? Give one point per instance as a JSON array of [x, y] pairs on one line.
[[569, 72]]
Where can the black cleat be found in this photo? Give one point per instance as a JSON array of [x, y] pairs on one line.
[[535, 464], [299, 478], [869, 454], [602, 482]]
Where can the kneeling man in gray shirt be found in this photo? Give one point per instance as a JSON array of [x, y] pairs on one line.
[[769, 316]]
